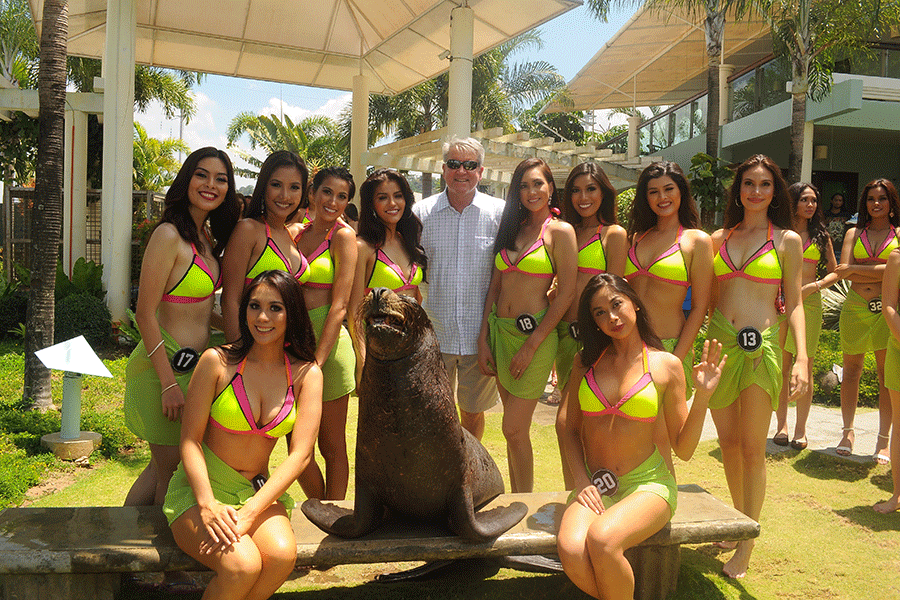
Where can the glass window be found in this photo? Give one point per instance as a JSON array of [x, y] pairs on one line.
[[743, 95]]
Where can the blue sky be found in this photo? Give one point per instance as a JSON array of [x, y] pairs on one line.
[[570, 41]]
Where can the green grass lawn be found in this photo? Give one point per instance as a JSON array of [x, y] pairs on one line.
[[820, 537]]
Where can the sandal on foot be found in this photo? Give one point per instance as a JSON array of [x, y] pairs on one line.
[[780, 439], [799, 444], [878, 457], [845, 449]]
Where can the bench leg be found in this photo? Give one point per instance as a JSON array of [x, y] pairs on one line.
[[655, 570], [59, 586]]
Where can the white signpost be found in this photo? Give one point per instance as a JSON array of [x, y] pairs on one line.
[[76, 358]]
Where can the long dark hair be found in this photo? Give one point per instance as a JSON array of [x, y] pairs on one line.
[[514, 213], [280, 158], [337, 173], [589, 333], [607, 208], [643, 217], [221, 220], [299, 339], [372, 229], [890, 191], [815, 226], [779, 211]]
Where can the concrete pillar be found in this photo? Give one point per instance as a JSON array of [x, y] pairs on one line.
[[462, 36], [118, 133], [359, 128], [75, 189], [806, 165], [634, 138], [725, 72]]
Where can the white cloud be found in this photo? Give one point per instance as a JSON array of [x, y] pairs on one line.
[[332, 108]]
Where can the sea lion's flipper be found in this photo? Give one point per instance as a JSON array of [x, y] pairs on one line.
[[344, 522], [483, 526]]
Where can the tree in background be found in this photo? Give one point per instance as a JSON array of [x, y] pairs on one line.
[[810, 33], [47, 214], [316, 139], [500, 92], [155, 161]]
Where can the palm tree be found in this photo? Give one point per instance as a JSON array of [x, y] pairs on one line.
[[47, 214], [19, 49], [317, 139], [500, 93], [155, 161], [808, 33], [714, 12]]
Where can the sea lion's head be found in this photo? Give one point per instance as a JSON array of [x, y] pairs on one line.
[[394, 324]]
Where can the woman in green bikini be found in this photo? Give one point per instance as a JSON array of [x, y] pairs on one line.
[[329, 246], [754, 254], [264, 240], [518, 341], [863, 328], [179, 275], [225, 508]]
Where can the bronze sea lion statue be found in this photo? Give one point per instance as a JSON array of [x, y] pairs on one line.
[[412, 455]]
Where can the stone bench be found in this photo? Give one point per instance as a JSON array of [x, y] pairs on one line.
[[76, 553]]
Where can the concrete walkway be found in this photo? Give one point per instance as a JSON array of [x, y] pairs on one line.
[[823, 428]]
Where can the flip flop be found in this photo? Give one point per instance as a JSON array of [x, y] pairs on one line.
[[780, 439], [799, 444]]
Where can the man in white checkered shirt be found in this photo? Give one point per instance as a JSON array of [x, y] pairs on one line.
[[459, 227]]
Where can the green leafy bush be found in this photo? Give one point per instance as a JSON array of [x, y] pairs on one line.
[[623, 206], [83, 314], [18, 472], [828, 354], [111, 426], [12, 312], [87, 278]]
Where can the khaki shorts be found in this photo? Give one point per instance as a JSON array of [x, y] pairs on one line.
[[475, 392]]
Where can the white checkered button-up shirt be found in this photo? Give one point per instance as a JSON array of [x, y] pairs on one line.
[[459, 247]]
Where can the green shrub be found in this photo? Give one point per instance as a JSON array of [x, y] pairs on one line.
[[87, 278], [18, 472], [623, 206], [12, 311], [83, 314], [828, 354], [112, 427]]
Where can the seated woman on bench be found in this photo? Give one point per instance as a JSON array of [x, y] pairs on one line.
[[621, 381], [224, 507]]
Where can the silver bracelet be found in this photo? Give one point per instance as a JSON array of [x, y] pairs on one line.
[[168, 388], [149, 354]]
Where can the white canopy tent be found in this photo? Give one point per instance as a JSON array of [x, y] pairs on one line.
[[380, 46]]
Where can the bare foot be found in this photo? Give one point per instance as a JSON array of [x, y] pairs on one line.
[[736, 568], [888, 506], [725, 545]]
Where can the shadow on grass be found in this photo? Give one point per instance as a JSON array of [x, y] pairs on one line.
[[822, 466], [865, 516], [701, 576], [463, 580]]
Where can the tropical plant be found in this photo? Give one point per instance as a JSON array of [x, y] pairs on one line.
[[18, 44], [832, 303], [316, 139], [710, 178], [155, 161], [48, 193], [810, 33]]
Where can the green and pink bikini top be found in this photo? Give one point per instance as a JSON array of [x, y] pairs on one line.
[[811, 253], [640, 402], [273, 259], [231, 412], [388, 274], [534, 262], [196, 285], [321, 263], [763, 265], [863, 252], [591, 258], [668, 266]]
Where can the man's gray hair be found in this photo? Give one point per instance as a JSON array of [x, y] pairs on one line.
[[464, 144]]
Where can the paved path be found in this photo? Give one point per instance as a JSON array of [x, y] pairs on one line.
[[823, 429]]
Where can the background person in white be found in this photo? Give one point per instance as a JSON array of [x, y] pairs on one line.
[[459, 227]]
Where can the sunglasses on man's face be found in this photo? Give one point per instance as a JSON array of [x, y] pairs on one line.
[[468, 165]]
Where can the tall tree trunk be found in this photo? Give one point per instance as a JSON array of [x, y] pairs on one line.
[[46, 213], [426, 184], [798, 130], [714, 32]]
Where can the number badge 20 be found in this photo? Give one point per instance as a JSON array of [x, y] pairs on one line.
[[605, 481]]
